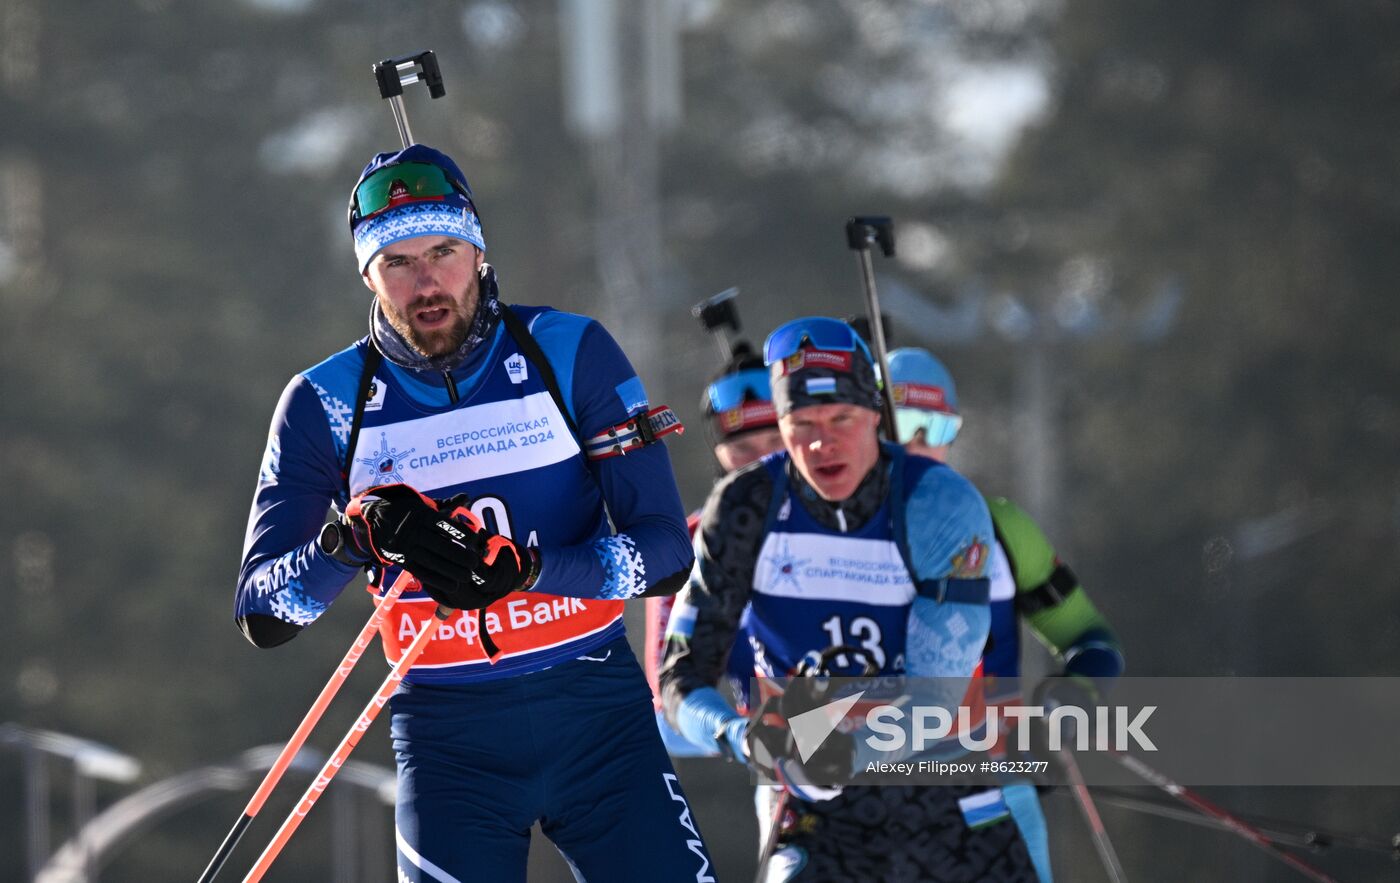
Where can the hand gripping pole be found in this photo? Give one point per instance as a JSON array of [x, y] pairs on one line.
[[347, 745], [308, 723]]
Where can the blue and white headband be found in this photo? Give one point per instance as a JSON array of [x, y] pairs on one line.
[[437, 217]]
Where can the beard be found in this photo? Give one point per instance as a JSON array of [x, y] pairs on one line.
[[435, 341]]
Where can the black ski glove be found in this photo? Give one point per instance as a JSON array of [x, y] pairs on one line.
[[459, 563], [494, 566], [774, 752], [399, 526], [769, 740]]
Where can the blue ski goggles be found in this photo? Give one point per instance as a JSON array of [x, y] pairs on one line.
[[732, 390], [939, 428], [817, 332]]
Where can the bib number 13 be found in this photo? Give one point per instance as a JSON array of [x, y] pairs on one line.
[[861, 631]]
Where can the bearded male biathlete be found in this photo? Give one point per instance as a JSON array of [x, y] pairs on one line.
[[838, 540], [534, 420]]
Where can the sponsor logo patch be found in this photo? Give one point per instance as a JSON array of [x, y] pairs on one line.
[[970, 561], [516, 368], [747, 416], [385, 462], [916, 395], [834, 360], [376, 395]]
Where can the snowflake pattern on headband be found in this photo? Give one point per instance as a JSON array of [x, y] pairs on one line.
[[428, 218]]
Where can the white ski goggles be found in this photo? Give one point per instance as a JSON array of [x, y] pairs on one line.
[[939, 428]]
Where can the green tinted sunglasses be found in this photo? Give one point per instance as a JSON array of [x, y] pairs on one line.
[[405, 181]]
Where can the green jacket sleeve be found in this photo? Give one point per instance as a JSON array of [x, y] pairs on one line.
[[1050, 599]]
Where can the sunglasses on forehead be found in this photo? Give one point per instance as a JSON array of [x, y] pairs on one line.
[[817, 332], [733, 390], [410, 181]]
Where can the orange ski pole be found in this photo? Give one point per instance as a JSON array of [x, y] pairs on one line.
[[308, 723], [352, 738]]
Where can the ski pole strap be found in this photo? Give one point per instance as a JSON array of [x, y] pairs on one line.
[[488, 645], [633, 433], [373, 358], [956, 590], [1050, 593]]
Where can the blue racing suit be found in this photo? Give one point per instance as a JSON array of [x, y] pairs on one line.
[[799, 574], [559, 728]]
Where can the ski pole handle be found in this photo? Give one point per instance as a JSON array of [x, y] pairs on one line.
[[719, 317], [863, 231], [405, 70], [308, 723], [347, 745], [392, 74]]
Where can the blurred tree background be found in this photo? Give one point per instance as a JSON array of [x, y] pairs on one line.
[[1148, 238]]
